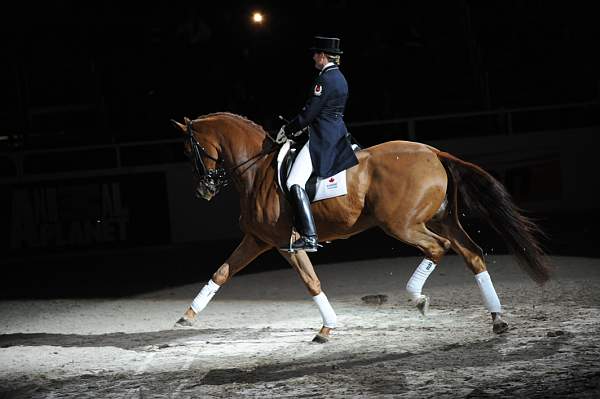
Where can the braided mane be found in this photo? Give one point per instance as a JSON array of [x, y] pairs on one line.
[[234, 116]]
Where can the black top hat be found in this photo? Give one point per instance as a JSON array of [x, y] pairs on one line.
[[328, 45]]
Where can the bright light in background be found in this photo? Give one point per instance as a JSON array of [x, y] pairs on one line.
[[258, 17]]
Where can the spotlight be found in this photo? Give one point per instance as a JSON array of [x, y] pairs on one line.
[[258, 18]]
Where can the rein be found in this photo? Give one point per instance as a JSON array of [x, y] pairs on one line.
[[220, 176]]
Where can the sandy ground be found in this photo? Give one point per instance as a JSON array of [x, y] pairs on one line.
[[254, 338]]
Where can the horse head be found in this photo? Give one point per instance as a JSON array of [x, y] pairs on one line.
[[222, 147], [204, 152]]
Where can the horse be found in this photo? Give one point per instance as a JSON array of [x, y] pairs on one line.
[[410, 190]]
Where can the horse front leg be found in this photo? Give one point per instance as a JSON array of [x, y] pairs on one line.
[[246, 252], [301, 263]]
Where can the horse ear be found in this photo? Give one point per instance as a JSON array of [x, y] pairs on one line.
[[178, 125]]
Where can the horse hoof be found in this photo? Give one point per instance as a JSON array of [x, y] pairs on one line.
[[500, 327], [183, 322], [320, 339], [423, 305]]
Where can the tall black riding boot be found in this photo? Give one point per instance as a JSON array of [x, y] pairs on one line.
[[304, 221]]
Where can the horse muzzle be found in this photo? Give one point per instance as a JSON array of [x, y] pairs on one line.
[[206, 189]]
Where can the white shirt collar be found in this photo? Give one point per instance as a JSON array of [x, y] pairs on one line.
[[326, 66]]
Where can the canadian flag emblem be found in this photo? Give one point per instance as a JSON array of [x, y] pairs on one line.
[[331, 180]]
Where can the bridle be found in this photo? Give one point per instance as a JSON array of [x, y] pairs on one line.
[[219, 176]]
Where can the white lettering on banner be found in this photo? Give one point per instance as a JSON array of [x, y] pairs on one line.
[[37, 221]]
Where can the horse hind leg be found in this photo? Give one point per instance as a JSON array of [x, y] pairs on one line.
[[433, 246], [473, 255]]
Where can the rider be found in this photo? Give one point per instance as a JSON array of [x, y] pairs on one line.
[[327, 150]]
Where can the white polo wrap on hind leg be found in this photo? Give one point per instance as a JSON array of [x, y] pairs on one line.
[[205, 295], [417, 280], [327, 313], [490, 298]]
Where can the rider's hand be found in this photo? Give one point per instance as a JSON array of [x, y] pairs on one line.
[[281, 136]]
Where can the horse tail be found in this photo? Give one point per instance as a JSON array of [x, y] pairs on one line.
[[488, 199]]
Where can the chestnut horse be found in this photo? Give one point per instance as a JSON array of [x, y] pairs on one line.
[[410, 190]]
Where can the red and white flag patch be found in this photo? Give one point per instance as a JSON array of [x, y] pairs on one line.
[[318, 90]]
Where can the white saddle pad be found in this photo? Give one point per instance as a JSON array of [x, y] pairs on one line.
[[333, 186]]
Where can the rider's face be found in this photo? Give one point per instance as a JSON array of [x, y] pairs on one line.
[[320, 60]]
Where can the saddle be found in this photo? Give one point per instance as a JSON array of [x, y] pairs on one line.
[[317, 188]]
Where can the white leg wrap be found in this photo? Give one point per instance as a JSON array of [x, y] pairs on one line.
[[205, 295], [327, 313], [417, 280], [490, 298]]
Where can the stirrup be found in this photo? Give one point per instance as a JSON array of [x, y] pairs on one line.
[[308, 244]]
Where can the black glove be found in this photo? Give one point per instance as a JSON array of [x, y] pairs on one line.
[[288, 133], [281, 136]]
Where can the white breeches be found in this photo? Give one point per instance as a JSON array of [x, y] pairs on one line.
[[301, 169]]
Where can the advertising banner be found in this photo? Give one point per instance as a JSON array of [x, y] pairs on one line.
[[84, 213]]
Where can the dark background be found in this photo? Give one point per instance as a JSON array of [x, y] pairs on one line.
[[76, 74], [130, 67]]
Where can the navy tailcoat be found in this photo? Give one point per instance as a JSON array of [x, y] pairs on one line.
[[323, 113]]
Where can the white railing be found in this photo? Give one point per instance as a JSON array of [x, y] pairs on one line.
[[505, 115]]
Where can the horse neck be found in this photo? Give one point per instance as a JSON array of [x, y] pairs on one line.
[[244, 155]]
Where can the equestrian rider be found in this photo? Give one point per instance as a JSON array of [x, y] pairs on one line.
[[327, 150]]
